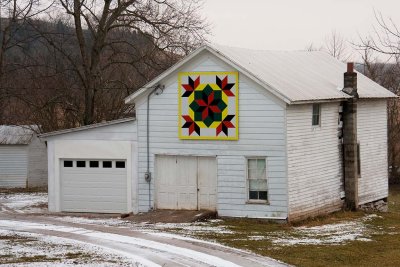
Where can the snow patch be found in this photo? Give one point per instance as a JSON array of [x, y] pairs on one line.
[[329, 234], [24, 201]]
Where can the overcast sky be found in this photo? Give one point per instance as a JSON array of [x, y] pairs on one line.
[[292, 24]]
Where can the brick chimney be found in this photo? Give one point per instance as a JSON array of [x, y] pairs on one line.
[[350, 160]]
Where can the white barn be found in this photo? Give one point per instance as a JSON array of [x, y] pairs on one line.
[[246, 133], [23, 157]]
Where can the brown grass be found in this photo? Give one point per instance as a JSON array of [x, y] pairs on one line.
[[42, 189], [383, 250]]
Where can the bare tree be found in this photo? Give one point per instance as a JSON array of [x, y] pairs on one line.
[[381, 54], [103, 35], [337, 46], [13, 16]]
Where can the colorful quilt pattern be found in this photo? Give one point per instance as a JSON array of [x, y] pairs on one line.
[[208, 105]]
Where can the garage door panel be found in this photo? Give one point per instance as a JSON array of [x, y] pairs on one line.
[[86, 189], [106, 207], [114, 192]]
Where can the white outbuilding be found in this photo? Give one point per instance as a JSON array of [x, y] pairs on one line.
[[245, 133], [23, 157]]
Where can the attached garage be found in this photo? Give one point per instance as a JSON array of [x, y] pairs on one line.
[[186, 183], [93, 185], [93, 168]]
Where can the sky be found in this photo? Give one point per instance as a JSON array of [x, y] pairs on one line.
[[293, 24]]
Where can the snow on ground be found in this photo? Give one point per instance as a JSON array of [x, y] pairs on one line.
[[329, 234], [182, 228], [25, 202], [31, 249], [95, 221], [129, 240]]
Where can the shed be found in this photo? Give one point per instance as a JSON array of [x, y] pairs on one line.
[[247, 133], [23, 157]]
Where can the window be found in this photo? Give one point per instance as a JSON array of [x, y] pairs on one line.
[[107, 164], [316, 114], [81, 164], [68, 163], [120, 164], [94, 164], [257, 176], [358, 160]]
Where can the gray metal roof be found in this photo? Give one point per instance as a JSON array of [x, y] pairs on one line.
[[301, 75], [293, 76], [86, 127], [16, 135]]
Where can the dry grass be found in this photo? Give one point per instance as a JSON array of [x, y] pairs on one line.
[[383, 231], [42, 189]]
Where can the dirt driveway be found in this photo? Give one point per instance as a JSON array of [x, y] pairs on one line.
[[107, 242]]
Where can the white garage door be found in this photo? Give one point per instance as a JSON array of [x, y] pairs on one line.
[[93, 185], [184, 182], [13, 165]]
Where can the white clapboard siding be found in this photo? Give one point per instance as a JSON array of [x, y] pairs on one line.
[[13, 165], [125, 131], [261, 133], [372, 137], [314, 161], [37, 163]]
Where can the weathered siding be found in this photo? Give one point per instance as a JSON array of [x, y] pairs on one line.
[[261, 133], [37, 163], [372, 137], [314, 161], [13, 165]]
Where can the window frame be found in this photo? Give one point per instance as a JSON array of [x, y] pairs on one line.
[[256, 201], [319, 115]]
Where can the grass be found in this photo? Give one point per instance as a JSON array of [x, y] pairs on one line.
[[382, 230]]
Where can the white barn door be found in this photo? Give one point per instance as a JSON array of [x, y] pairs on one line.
[[185, 183]]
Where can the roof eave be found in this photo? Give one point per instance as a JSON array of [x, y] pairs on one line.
[[131, 98], [86, 127]]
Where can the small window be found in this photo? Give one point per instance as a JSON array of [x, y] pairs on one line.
[[358, 160], [257, 176], [94, 164], [81, 164], [120, 164], [68, 163], [316, 114], [107, 164]]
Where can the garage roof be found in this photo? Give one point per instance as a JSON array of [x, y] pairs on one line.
[[86, 127], [293, 76], [16, 135]]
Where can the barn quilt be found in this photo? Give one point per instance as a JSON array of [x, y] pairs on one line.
[[208, 105]]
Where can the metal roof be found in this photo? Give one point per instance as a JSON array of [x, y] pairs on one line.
[[16, 135], [293, 76], [86, 127]]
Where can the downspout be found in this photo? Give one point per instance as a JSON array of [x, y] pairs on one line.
[[158, 89]]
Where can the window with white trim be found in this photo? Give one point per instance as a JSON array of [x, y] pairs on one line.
[[257, 179], [316, 115]]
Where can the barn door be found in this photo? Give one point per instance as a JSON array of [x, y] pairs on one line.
[[207, 183], [185, 183]]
